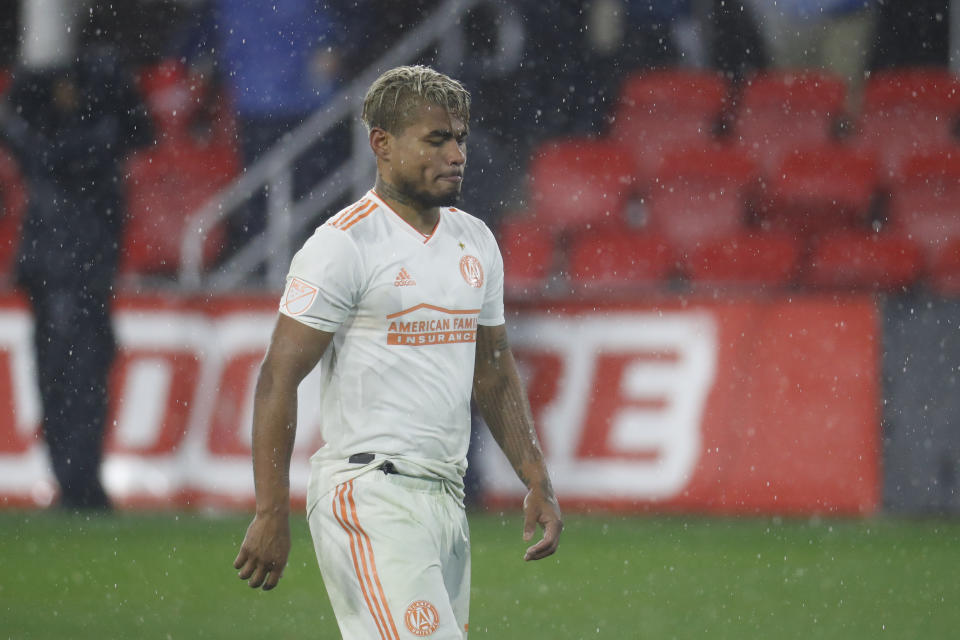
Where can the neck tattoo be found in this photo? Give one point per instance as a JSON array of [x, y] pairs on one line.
[[389, 192]]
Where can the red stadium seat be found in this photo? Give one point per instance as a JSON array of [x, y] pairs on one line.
[[172, 95], [745, 260], [820, 189], [13, 202], [906, 112], [6, 79], [165, 185], [579, 182], [863, 260], [785, 111], [607, 260], [925, 202], [700, 195], [664, 111], [944, 274], [528, 256]]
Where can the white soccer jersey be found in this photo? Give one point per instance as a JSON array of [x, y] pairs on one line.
[[397, 377]]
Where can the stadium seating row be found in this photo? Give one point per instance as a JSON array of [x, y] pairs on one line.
[[606, 261], [715, 191], [784, 123], [757, 185], [775, 113], [750, 184]]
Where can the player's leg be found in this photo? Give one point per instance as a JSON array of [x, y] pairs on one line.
[[456, 563], [422, 532], [379, 553], [74, 347], [349, 568]]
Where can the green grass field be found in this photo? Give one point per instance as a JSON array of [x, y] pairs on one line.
[[170, 576]]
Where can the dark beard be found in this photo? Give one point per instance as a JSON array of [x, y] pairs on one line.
[[424, 200]]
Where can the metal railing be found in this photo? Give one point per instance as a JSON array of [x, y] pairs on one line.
[[287, 217]]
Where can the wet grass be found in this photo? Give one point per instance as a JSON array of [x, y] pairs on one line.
[[169, 576]]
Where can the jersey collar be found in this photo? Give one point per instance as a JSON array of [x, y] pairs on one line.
[[406, 226]]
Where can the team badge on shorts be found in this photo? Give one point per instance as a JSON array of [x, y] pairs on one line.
[[299, 296], [471, 271], [422, 618]]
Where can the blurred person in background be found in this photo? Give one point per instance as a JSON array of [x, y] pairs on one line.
[[375, 26], [910, 34], [562, 86], [70, 122], [385, 500], [542, 70], [280, 61], [9, 31], [577, 54], [834, 35]]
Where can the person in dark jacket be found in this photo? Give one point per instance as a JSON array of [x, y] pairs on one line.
[[70, 129], [281, 61]]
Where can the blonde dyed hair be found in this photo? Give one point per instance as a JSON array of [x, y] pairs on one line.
[[394, 98]]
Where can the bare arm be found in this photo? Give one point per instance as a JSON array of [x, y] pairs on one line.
[[502, 401], [294, 351]]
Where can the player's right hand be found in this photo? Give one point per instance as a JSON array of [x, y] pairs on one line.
[[263, 554]]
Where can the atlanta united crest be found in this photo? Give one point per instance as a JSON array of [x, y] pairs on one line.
[[422, 618], [472, 271]]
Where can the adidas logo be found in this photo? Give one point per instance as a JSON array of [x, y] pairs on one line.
[[404, 279]]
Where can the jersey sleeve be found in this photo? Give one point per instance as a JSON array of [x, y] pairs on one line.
[[324, 281], [491, 313]]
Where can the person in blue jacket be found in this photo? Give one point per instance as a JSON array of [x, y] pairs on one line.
[[281, 61]]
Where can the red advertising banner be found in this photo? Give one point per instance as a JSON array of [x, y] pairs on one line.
[[738, 406], [753, 405]]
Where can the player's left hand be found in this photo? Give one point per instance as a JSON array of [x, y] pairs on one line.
[[540, 508]]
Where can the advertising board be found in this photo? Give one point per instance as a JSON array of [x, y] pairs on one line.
[[740, 406]]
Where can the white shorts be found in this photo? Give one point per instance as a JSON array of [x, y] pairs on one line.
[[394, 552]]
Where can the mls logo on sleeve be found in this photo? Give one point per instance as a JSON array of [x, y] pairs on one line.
[[299, 296]]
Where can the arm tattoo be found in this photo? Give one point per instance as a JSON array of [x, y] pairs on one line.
[[500, 396]]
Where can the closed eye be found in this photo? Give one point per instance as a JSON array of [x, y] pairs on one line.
[[438, 138]]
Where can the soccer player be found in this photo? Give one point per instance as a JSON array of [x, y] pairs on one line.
[[400, 298]]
